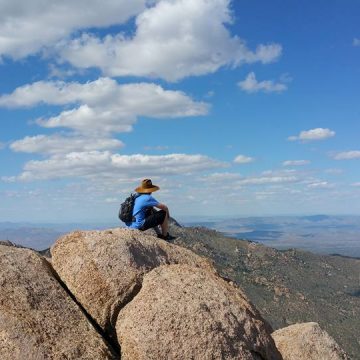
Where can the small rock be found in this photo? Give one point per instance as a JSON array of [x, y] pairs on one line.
[[307, 342]]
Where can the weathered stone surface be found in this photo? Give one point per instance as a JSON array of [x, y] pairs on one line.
[[38, 320], [307, 342], [183, 312], [104, 269]]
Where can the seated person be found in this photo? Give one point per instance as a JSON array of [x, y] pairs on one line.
[[145, 216]]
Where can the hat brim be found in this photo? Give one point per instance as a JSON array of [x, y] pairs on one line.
[[147, 190]]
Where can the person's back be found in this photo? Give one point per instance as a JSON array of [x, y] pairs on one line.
[[145, 217], [143, 203]]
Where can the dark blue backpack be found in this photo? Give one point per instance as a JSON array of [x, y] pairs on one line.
[[126, 209]]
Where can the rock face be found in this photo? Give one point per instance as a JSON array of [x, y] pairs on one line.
[[157, 300], [307, 342], [38, 319], [104, 269], [184, 312], [6, 243]]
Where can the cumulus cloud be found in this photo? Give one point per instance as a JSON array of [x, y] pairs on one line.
[[28, 26], [334, 171], [224, 176], [296, 162], [105, 106], [347, 155], [102, 164], [356, 42], [320, 185], [266, 178], [173, 39], [100, 108], [313, 134], [252, 85], [243, 159], [261, 180], [57, 144]]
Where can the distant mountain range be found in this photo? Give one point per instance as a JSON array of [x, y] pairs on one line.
[[318, 233], [321, 234]]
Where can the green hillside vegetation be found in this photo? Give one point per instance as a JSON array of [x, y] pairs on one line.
[[288, 286]]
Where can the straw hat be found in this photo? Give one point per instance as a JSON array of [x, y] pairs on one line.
[[146, 187]]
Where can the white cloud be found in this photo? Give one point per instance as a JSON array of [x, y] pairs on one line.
[[334, 171], [156, 148], [112, 200], [313, 134], [221, 177], [356, 42], [296, 162], [60, 72], [105, 106], [57, 144], [263, 195], [251, 85], [173, 39], [243, 159], [27, 26], [320, 185], [356, 184], [347, 155], [262, 180], [236, 180], [98, 165], [281, 172]]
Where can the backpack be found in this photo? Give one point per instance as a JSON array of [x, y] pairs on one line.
[[126, 209]]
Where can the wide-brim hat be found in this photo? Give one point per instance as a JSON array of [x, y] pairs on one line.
[[146, 187]]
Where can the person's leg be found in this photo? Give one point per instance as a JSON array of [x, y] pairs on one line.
[[152, 211], [154, 219], [165, 225]]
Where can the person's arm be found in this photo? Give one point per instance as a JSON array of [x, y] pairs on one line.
[[163, 207]]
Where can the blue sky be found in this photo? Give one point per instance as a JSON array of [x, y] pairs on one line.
[[233, 108]]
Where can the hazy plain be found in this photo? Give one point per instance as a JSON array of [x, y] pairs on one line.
[[318, 233]]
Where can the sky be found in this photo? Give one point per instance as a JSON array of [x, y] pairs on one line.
[[234, 108]]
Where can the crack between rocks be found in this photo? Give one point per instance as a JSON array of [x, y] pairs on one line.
[[113, 346], [110, 327], [257, 354]]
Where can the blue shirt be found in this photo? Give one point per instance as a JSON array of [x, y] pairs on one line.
[[142, 202]]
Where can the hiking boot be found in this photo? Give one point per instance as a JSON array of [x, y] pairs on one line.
[[166, 237]]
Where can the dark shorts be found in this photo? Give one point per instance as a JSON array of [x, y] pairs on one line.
[[155, 218]]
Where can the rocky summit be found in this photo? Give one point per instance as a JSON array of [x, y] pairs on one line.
[[125, 294], [104, 269]]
